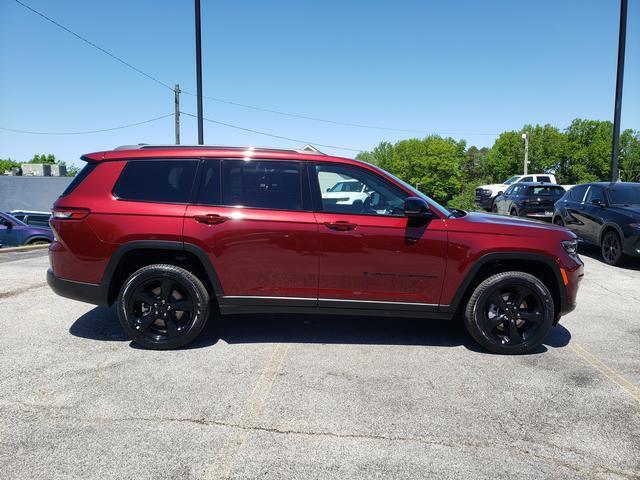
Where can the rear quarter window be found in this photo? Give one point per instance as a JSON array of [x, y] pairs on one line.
[[164, 181], [77, 180]]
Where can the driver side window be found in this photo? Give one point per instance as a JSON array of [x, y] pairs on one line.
[[378, 197]]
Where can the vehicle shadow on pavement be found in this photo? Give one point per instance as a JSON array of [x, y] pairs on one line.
[[594, 252], [102, 324]]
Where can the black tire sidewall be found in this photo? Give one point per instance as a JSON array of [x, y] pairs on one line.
[[188, 281], [482, 293], [618, 260]]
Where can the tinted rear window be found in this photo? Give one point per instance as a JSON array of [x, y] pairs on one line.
[[261, 184], [553, 191], [166, 181], [80, 176], [577, 193]]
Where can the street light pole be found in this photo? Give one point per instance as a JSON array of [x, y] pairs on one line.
[[199, 74], [525, 137], [615, 143]]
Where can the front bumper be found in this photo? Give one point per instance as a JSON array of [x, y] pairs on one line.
[[631, 245], [483, 200], [95, 294]]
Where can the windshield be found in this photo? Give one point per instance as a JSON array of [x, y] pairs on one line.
[[625, 194], [12, 219], [511, 180]]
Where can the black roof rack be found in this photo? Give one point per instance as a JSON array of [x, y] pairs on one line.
[[146, 146]]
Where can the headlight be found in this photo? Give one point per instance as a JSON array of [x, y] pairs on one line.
[[570, 246]]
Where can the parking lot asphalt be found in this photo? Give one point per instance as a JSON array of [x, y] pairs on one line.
[[276, 396]]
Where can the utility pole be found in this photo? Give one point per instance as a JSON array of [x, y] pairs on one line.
[[177, 114], [199, 74], [615, 143], [525, 137]]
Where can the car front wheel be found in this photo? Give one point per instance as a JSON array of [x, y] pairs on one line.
[[510, 313], [612, 248], [163, 307]]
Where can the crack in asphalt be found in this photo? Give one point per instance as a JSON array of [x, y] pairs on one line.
[[18, 291], [581, 468]]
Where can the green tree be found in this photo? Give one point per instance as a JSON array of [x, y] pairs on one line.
[[7, 164], [44, 158], [588, 151], [630, 156]]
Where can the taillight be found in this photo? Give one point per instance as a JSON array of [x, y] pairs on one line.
[[70, 213]]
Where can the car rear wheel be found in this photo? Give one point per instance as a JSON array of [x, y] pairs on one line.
[[494, 208], [612, 248], [163, 307], [510, 313]]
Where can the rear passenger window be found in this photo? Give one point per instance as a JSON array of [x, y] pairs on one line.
[[577, 193], [166, 181], [526, 179], [262, 184], [544, 179]]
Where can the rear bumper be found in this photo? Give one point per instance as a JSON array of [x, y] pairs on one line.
[[95, 294]]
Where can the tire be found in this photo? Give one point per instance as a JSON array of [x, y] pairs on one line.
[[558, 221], [494, 208], [515, 324], [513, 212], [39, 241], [163, 307], [611, 247]]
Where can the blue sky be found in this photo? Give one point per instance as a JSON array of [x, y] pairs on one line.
[[462, 67]]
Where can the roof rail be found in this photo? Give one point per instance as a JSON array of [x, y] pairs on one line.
[[146, 146]]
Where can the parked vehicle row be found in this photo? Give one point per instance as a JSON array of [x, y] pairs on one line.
[[487, 194], [603, 214], [527, 199], [169, 233]]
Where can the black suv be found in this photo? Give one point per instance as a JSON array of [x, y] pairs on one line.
[[528, 199], [603, 214]]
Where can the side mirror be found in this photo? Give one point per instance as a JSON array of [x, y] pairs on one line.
[[499, 193], [415, 207], [6, 223], [328, 189], [597, 202]]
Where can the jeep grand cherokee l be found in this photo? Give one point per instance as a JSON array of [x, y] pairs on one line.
[[170, 233]]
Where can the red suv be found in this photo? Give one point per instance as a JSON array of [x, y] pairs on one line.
[[169, 233]]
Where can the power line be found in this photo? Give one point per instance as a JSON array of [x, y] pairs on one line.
[[217, 122], [89, 42], [87, 131], [238, 104]]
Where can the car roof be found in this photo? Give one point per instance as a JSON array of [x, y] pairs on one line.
[[158, 152], [538, 184]]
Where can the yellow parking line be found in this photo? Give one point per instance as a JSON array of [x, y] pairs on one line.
[[608, 372], [222, 466]]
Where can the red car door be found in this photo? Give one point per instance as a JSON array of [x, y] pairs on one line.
[[372, 256], [254, 221]]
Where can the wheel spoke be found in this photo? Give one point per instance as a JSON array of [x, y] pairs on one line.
[[498, 301], [514, 334], [492, 323], [533, 317], [166, 288], [144, 297], [172, 329], [517, 297], [144, 322], [182, 305]]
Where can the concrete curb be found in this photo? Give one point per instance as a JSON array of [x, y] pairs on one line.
[[26, 248]]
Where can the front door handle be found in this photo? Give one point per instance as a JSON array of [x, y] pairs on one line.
[[341, 225], [210, 219]]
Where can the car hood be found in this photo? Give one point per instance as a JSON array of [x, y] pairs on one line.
[[509, 224], [494, 186]]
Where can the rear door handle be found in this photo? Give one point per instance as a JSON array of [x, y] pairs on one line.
[[341, 225], [210, 219]]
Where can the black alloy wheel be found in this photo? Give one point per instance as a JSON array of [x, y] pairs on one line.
[[163, 306], [494, 208], [612, 248], [510, 312]]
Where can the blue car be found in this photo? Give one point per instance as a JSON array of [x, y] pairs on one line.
[[14, 233]]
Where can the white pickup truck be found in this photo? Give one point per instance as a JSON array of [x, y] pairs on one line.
[[486, 194]]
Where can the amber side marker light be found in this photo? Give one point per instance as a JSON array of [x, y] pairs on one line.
[[565, 279]]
